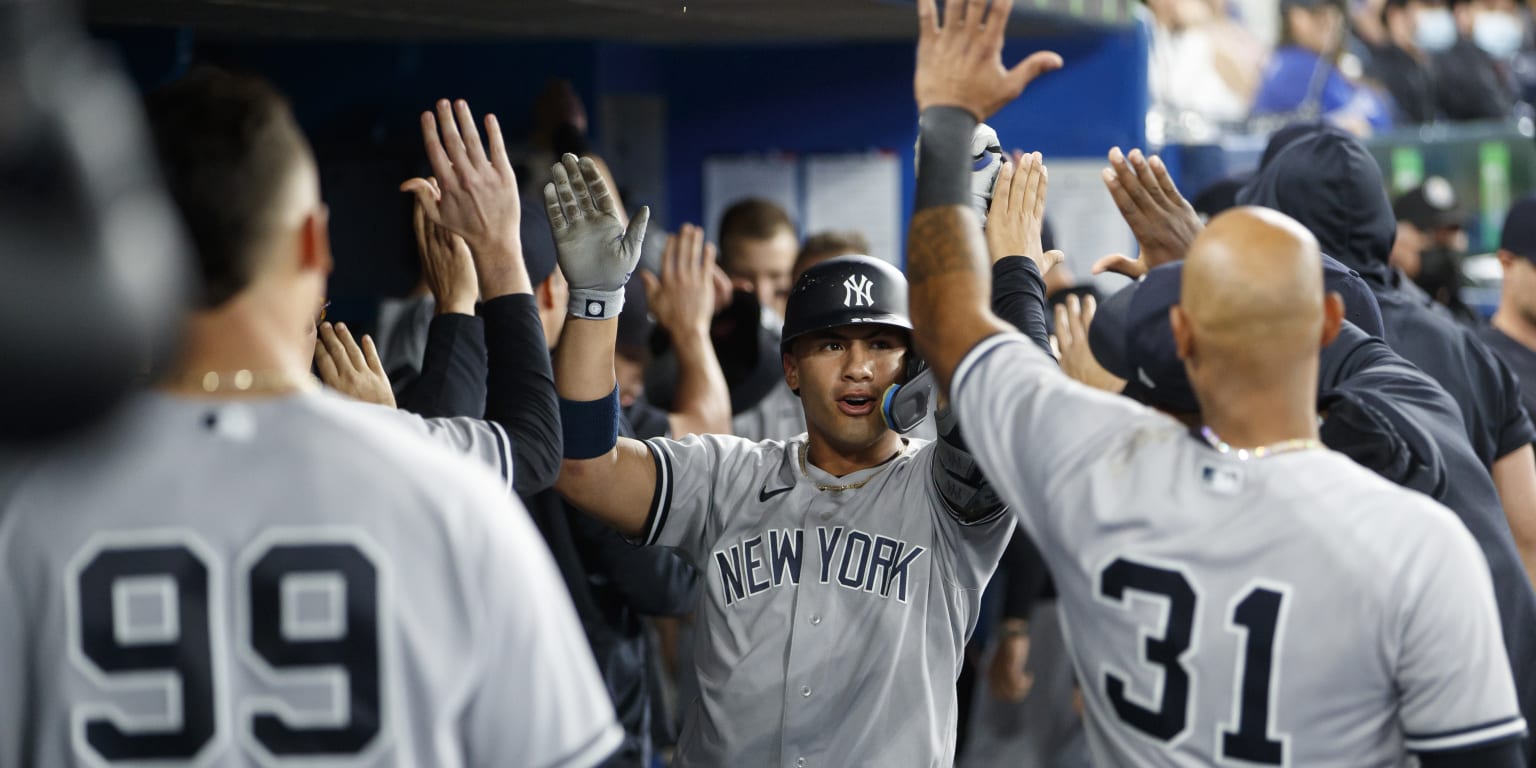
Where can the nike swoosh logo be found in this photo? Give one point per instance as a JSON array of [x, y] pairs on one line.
[[766, 494]]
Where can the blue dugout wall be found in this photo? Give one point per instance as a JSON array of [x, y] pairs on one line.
[[360, 100]]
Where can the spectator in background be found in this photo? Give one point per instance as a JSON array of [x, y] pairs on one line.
[[1512, 332], [1415, 31], [1474, 78], [757, 251], [1203, 61], [1304, 77], [1432, 244]]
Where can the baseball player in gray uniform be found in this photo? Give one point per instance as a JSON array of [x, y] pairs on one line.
[[244, 570], [1238, 596], [843, 568]]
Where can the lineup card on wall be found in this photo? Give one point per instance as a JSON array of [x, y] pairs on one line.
[[1085, 221], [728, 179], [860, 192]]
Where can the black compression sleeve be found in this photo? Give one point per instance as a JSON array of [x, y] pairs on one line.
[[1024, 576], [520, 390], [943, 159], [1502, 755], [453, 370], [1018, 298]]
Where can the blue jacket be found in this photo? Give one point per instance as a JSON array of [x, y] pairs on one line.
[[1289, 75]]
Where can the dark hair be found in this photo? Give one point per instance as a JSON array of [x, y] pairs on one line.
[[825, 245], [1392, 5], [1288, 35], [752, 219], [227, 144]]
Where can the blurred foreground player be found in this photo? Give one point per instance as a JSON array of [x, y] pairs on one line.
[[1215, 587], [95, 268], [246, 570]]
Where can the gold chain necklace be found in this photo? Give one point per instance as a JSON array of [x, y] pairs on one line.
[[245, 381], [1263, 451], [804, 470]]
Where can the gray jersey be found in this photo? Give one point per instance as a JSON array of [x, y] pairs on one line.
[[834, 622], [484, 441], [283, 582], [1293, 610]]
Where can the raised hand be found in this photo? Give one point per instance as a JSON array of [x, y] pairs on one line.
[[1072, 321], [446, 265], [354, 371], [683, 298], [476, 192], [1009, 680], [1163, 222], [596, 251], [960, 63], [1017, 215]]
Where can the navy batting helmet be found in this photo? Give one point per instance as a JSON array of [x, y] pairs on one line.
[[847, 290]]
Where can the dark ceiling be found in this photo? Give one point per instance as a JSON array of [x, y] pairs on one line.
[[641, 21]]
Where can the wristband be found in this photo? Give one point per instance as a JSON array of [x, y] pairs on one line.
[[595, 304], [944, 157], [591, 428]]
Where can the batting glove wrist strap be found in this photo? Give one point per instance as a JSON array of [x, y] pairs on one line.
[[590, 428], [595, 304]]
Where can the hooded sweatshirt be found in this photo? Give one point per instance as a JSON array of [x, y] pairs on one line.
[[1327, 181]]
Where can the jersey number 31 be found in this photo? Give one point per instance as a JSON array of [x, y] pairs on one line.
[[1257, 614], [149, 617]]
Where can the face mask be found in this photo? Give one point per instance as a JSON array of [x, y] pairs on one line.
[[1499, 34], [1435, 30]]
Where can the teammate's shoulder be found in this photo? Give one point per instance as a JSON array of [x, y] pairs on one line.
[[1350, 496], [394, 443]]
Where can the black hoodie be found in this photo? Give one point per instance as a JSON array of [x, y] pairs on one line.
[[1329, 182], [1326, 180]]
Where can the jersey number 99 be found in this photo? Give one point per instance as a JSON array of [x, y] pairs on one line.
[[151, 614]]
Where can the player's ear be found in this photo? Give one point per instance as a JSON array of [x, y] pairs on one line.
[[1506, 259], [791, 372], [315, 241], [1333, 317], [1183, 340]]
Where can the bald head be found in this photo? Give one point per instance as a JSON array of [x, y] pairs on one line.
[[1252, 309]]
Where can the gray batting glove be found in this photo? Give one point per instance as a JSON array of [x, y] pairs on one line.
[[596, 252]]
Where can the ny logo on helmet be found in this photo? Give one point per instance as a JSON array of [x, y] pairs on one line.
[[858, 291]]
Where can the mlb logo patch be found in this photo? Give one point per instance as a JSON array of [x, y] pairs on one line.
[[1227, 481]]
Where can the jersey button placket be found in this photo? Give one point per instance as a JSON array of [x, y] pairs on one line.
[[799, 762], [805, 691], [815, 619]]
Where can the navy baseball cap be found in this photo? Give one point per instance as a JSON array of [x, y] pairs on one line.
[[1520, 228], [1429, 206], [538, 242], [1132, 337]]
